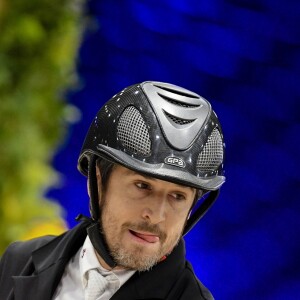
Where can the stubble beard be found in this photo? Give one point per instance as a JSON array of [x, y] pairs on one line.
[[133, 258]]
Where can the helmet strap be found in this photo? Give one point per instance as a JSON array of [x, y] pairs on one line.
[[94, 231], [201, 211]]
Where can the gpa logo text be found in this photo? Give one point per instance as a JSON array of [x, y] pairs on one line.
[[175, 161]]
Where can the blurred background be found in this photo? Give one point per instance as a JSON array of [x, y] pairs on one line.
[[59, 62]]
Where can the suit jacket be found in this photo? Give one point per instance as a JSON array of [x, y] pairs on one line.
[[33, 269]]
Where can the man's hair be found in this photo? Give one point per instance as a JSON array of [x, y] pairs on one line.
[[106, 168]]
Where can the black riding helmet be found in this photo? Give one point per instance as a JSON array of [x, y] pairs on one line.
[[161, 130]]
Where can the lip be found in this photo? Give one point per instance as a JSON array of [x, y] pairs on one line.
[[144, 237]]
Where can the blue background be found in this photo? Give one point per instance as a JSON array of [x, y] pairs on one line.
[[243, 56]]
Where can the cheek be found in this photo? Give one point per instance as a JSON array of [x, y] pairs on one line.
[[176, 223], [117, 210]]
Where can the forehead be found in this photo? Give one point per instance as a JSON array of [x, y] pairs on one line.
[[131, 173]]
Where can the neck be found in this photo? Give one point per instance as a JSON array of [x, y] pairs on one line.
[[105, 265]]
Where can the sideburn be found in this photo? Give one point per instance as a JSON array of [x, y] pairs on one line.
[[105, 168]]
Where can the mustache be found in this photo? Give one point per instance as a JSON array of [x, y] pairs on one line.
[[144, 226]]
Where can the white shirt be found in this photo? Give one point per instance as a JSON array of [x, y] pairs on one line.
[[74, 280]]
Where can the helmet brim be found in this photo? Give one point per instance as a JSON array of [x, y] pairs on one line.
[[160, 171]]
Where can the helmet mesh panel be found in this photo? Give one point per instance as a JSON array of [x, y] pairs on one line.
[[133, 133], [212, 154]]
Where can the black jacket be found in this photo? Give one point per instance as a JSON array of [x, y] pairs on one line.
[[33, 269]]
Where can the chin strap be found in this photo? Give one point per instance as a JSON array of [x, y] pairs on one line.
[[93, 188], [97, 239], [201, 211], [93, 230]]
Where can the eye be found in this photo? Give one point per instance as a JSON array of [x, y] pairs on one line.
[[178, 196], [143, 185]]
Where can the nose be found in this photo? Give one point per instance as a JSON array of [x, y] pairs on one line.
[[155, 210]]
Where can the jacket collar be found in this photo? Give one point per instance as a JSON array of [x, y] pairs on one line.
[[157, 283], [48, 262]]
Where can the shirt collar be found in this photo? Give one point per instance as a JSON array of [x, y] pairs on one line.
[[88, 260]]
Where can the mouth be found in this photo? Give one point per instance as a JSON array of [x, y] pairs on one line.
[[144, 237]]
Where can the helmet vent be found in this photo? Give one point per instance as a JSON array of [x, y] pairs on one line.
[[177, 120], [133, 133], [178, 103], [176, 91], [211, 155]]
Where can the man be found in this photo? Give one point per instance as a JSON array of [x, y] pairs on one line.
[[151, 152]]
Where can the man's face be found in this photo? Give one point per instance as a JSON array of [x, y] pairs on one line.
[[142, 218]]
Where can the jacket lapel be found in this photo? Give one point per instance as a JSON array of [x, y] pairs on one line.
[[41, 278], [36, 287], [47, 266]]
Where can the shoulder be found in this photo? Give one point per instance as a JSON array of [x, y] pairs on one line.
[[25, 248], [184, 283], [188, 286], [18, 253], [21, 251], [191, 287], [17, 258], [30, 245]]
